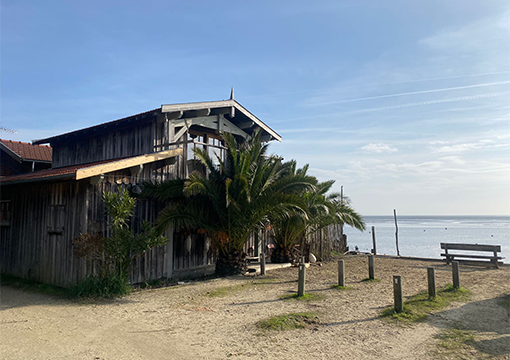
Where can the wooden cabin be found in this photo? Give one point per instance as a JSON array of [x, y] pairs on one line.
[[44, 211], [18, 157]]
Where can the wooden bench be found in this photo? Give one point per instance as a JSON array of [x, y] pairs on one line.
[[494, 249]]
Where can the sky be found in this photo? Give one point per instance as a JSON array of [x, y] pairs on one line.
[[404, 103]]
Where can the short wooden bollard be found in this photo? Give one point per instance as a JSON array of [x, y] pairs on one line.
[[455, 274], [397, 293], [301, 279], [432, 282], [262, 264], [341, 273], [371, 267]]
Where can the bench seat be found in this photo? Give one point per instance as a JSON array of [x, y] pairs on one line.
[[494, 249], [472, 256]]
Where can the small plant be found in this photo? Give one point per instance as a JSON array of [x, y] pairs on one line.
[[453, 339], [375, 280], [107, 287], [419, 306], [338, 287], [289, 321], [224, 291], [305, 297], [115, 252]]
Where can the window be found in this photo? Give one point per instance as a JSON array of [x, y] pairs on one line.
[[5, 212], [57, 219]]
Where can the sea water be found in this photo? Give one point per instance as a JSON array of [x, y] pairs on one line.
[[421, 236]]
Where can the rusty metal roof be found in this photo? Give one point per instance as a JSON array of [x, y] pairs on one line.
[[27, 151], [50, 174]]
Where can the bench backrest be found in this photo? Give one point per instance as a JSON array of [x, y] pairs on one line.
[[472, 247]]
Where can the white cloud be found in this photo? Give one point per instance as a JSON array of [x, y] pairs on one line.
[[455, 160], [378, 148]]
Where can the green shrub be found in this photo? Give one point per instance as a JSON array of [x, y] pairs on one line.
[[115, 253], [107, 287]]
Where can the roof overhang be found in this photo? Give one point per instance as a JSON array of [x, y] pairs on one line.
[[10, 152], [85, 171], [231, 107], [234, 111]]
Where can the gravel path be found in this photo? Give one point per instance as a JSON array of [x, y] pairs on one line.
[[216, 319]]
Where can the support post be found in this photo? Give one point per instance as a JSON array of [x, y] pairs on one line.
[[341, 273], [397, 293], [374, 250], [455, 274], [496, 260], [262, 264], [302, 278], [371, 267], [432, 282], [256, 244]]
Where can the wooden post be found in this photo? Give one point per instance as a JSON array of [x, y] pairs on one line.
[[262, 264], [432, 282], [455, 274], [396, 230], [341, 203], [341, 273], [302, 278], [371, 267], [373, 241], [397, 293], [256, 243]]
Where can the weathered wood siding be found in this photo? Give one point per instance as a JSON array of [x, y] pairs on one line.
[[146, 137], [136, 140], [33, 246], [47, 216]]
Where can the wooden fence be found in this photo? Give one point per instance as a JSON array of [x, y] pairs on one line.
[[321, 243]]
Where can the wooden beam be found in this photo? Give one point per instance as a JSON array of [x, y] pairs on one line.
[[227, 104], [174, 115], [215, 122], [246, 125], [227, 126], [94, 180], [197, 113], [181, 132], [126, 163], [136, 170], [197, 106]]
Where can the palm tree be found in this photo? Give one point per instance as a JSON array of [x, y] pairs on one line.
[[322, 210], [234, 198]]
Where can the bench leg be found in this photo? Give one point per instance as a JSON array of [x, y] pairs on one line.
[[496, 260]]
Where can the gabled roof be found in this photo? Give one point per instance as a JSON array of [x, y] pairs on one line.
[[231, 108], [83, 171], [25, 151]]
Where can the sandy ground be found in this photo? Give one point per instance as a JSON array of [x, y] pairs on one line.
[[216, 319]]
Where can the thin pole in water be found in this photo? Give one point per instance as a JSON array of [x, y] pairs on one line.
[[396, 230], [374, 250]]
